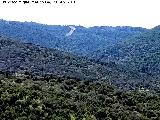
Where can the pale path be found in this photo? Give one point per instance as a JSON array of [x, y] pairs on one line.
[[71, 31]]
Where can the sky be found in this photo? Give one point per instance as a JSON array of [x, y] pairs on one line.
[[137, 13]]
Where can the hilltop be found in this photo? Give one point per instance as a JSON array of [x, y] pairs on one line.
[[83, 41]]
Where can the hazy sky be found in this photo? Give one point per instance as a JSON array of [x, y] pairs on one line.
[[145, 13]]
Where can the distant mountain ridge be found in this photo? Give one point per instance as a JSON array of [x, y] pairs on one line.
[[83, 41]]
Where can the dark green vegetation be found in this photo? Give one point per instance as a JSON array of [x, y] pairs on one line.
[[23, 98], [82, 42], [28, 59], [31, 59], [120, 81], [140, 53]]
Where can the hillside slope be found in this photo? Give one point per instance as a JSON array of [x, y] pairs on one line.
[[28, 59], [83, 41], [19, 57], [140, 53], [69, 99]]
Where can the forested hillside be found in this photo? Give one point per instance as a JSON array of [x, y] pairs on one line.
[[43, 75], [140, 53], [18, 57], [29, 59], [24, 98], [83, 41]]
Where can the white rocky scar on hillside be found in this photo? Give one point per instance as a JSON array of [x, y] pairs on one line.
[[71, 31]]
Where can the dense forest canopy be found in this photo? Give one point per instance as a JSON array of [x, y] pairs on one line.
[[24, 58], [97, 73], [140, 53], [68, 99], [83, 41]]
